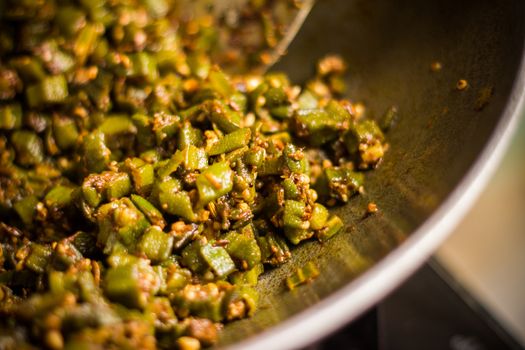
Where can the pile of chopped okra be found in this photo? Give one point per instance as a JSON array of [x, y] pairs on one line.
[[142, 190]]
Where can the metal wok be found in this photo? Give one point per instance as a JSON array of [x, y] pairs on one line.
[[443, 148]]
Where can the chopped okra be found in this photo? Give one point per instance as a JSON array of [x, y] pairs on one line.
[[143, 190]]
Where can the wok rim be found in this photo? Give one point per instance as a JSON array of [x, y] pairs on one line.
[[360, 294]]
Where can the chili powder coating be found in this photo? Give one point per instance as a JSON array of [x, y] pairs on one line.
[[142, 190]]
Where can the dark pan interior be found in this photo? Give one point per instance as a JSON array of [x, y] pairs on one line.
[[390, 45]]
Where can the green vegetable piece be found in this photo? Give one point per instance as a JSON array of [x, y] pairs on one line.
[[38, 258], [194, 158], [119, 222], [143, 178], [317, 125], [144, 66], [155, 244], [86, 41], [28, 147], [25, 208], [271, 166], [291, 191], [176, 203], [177, 280], [58, 197], [95, 152], [49, 90], [243, 250], [255, 156], [249, 278], [294, 212], [275, 96], [220, 82], [223, 116], [118, 186], [340, 183], [303, 275], [362, 132], [188, 135], [145, 136], [192, 257], [231, 141], [153, 214], [241, 293], [333, 226], [274, 250], [165, 126], [29, 68], [65, 132], [295, 159], [214, 182], [218, 260], [170, 166], [319, 217], [117, 125], [65, 254], [307, 100], [131, 285], [70, 19], [10, 116], [296, 235]]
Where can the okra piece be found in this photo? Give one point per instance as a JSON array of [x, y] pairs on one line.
[[26, 208], [153, 214], [28, 147], [295, 159], [243, 249], [231, 142], [95, 152], [119, 222], [65, 132], [142, 174], [192, 258], [10, 116], [155, 244], [223, 116], [294, 215], [143, 65], [188, 135], [319, 217], [58, 197], [240, 294], [194, 158], [274, 250], [249, 277], [38, 258], [49, 90], [220, 82], [218, 260], [303, 275], [214, 182], [333, 226], [131, 285], [317, 126], [365, 141]]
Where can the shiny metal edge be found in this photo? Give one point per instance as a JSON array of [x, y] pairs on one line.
[[362, 293]]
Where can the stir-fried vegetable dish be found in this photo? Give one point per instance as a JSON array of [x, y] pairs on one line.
[[143, 191]]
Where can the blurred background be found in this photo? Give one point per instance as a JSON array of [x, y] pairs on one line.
[[486, 253]]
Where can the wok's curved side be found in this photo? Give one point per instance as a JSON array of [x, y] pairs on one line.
[[422, 204]]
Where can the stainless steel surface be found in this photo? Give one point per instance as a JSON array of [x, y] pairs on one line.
[[443, 150]]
